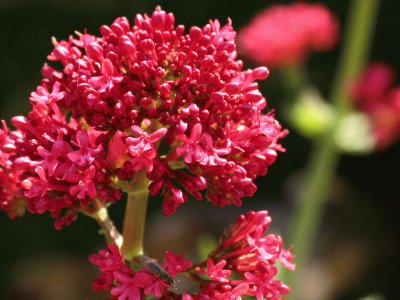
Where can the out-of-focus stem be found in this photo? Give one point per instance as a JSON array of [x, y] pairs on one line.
[[356, 47], [135, 217], [295, 78], [323, 159]]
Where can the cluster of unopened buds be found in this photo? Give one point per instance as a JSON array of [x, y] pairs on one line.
[[100, 120], [148, 105]]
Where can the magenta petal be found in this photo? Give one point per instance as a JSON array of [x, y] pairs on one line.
[[99, 83], [41, 173], [196, 132], [157, 135], [107, 68]]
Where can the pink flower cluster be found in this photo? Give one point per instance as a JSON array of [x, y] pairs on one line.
[[243, 264], [11, 200], [374, 93], [57, 163], [125, 283], [284, 35], [146, 97]]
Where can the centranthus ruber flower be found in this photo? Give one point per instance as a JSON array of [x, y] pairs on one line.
[[11, 201], [123, 282], [284, 35], [374, 93], [148, 97], [244, 264], [245, 260]]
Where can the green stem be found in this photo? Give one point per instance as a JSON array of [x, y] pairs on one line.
[[322, 163], [319, 174], [357, 43], [110, 232], [296, 78], [108, 229], [135, 217]]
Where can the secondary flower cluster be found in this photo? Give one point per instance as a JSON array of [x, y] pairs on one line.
[[243, 264], [146, 97], [284, 35], [375, 94], [125, 283]]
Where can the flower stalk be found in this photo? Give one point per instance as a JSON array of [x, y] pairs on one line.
[[110, 232], [135, 217], [321, 167]]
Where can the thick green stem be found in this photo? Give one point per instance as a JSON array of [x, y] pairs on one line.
[[135, 217], [324, 157]]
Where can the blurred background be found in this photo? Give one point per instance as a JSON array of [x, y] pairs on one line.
[[357, 248]]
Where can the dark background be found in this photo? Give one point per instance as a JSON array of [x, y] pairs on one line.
[[357, 247]]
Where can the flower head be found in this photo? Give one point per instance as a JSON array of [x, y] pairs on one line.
[[284, 35], [143, 97], [244, 264], [123, 282]]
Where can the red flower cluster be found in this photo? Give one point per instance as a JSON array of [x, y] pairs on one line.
[[243, 264], [375, 94], [99, 120], [11, 200], [58, 162], [125, 283], [284, 35]]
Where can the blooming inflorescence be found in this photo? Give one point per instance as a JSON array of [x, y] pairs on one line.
[[284, 35], [243, 264], [118, 277], [146, 97], [374, 93], [150, 106]]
